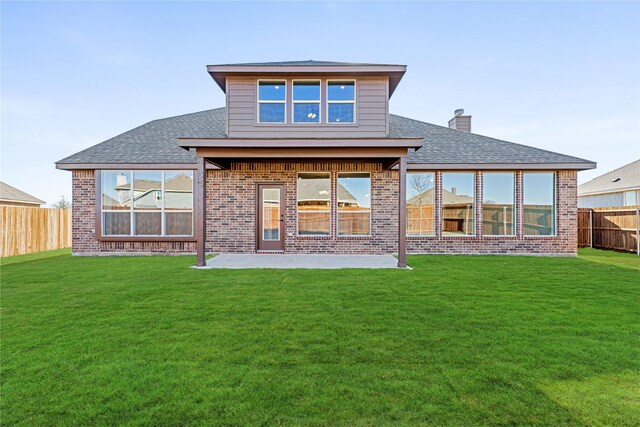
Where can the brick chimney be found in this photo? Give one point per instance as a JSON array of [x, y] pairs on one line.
[[460, 121]]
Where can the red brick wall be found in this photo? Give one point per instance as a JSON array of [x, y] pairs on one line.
[[231, 222], [231, 208], [563, 243], [84, 240]]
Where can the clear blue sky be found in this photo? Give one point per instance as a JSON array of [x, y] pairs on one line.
[[560, 76]]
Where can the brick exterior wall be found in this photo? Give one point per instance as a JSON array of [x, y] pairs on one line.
[[231, 209], [231, 216], [84, 241]]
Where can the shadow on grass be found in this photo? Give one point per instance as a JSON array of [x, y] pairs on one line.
[[615, 259], [34, 257], [612, 399]]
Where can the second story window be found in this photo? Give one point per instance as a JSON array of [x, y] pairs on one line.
[[306, 101], [341, 101], [271, 101]]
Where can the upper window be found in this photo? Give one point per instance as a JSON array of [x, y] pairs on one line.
[[314, 204], [539, 203], [630, 198], [420, 204], [498, 203], [162, 203], [306, 101], [272, 99], [354, 204], [341, 101], [458, 203]]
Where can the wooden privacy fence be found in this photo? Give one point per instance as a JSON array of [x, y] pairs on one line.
[[610, 228], [29, 230]]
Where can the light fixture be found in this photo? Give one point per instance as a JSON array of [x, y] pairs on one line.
[[342, 87], [277, 87]]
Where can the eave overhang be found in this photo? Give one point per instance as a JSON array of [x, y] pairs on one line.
[[503, 166], [260, 143], [222, 152], [395, 73]]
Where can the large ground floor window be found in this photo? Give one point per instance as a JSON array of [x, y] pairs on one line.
[[421, 204], [354, 204], [458, 203], [457, 208], [539, 192], [499, 203], [147, 203], [314, 204]]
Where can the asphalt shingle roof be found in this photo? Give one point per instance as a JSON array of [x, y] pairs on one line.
[[12, 194], [624, 178], [156, 142]]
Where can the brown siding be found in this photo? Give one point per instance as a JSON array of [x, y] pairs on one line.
[[371, 111]]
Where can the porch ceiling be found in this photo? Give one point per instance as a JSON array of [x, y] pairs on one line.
[[224, 151]]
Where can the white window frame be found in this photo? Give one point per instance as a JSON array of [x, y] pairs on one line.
[[298, 210], [355, 97], [132, 211], [294, 102], [338, 205], [434, 203], [258, 101], [474, 210], [514, 208], [555, 204]]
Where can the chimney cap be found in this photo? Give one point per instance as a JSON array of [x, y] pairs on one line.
[[459, 112]]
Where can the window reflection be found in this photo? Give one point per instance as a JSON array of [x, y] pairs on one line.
[[458, 206]]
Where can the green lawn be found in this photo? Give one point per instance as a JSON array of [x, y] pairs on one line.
[[456, 341]]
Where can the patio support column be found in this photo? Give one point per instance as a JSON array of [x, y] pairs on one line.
[[402, 213], [200, 205]]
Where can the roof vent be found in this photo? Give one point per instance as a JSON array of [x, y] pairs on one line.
[[617, 180]]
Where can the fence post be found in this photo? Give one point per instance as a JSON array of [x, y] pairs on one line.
[[637, 231], [591, 228]]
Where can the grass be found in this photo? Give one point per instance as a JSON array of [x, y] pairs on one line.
[[456, 341]]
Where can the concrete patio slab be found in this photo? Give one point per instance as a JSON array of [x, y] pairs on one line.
[[301, 261]]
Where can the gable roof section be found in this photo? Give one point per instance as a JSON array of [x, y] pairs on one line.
[[443, 148], [12, 194], [624, 178]]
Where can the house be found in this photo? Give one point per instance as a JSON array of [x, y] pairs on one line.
[[11, 196], [620, 187], [306, 158]]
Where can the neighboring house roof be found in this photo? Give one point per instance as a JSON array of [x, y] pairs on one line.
[[177, 183], [314, 189], [624, 178], [448, 198], [156, 142], [12, 194]]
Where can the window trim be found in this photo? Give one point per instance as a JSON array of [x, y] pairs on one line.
[[475, 206], [435, 190], [328, 102], [284, 102], [338, 207], [515, 203], [330, 207], [555, 205], [99, 218], [294, 102]]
